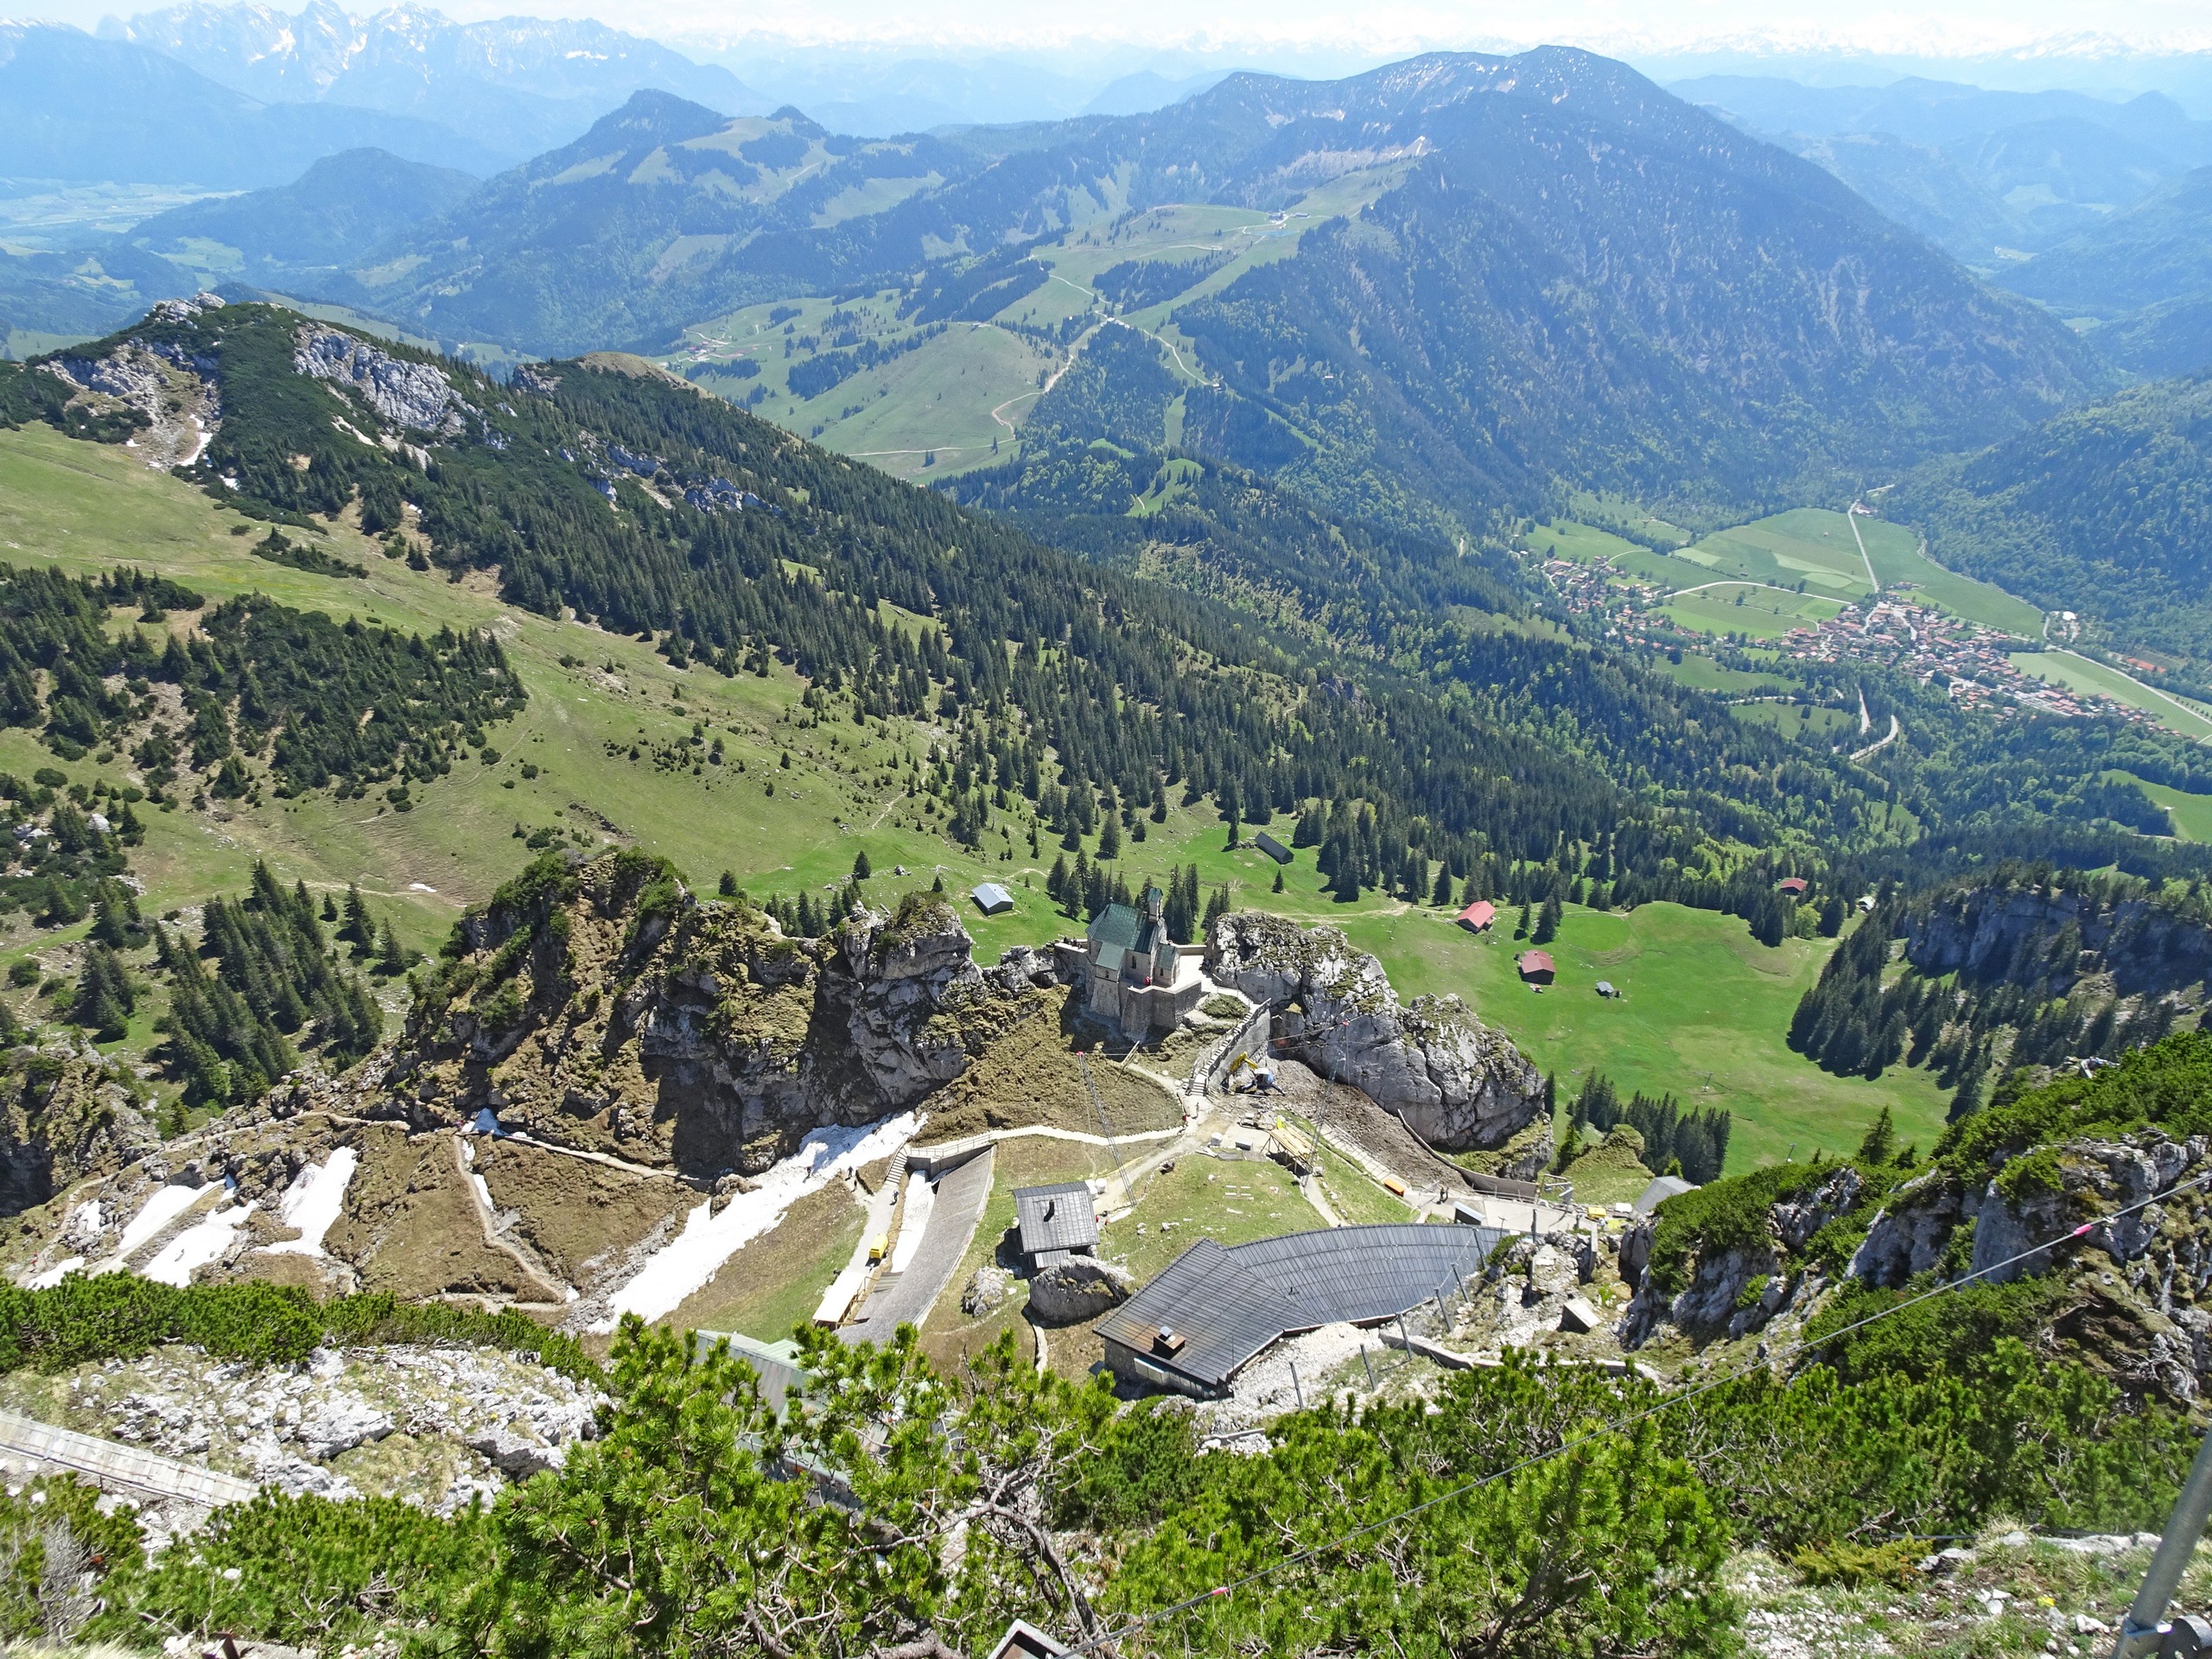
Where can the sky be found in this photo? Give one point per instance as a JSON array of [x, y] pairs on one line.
[[1265, 28]]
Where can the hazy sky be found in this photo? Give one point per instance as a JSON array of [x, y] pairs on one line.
[[1943, 29]]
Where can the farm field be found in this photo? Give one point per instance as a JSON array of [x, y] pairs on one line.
[[1703, 674], [1811, 548], [1743, 608], [1799, 720], [1703, 1016], [2082, 674]]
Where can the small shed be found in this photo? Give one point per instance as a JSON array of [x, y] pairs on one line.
[[1662, 1188], [1604, 987], [1059, 1219], [1792, 884], [1273, 848], [1477, 916], [1535, 967], [992, 898]]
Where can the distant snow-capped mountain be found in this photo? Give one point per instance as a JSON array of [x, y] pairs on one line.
[[518, 86]]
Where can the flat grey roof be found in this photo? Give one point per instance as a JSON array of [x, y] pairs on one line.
[[1229, 1304], [1662, 1188], [1060, 1217]]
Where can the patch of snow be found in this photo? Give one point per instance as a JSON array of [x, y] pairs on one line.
[[913, 1220], [197, 1245], [312, 1202], [55, 1274], [420, 886], [166, 1204], [694, 1256]]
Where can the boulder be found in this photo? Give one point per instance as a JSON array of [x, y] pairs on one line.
[[1457, 1084], [1081, 1288], [985, 1292]]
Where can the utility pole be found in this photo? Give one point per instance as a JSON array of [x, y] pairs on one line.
[[2139, 1631]]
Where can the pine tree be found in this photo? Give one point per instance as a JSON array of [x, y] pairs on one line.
[[1229, 814], [355, 926], [1521, 927], [728, 886], [390, 960], [1278, 886], [105, 1000], [1547, 920], [1880, 1141], [1441, 896], [862, 869], [1217, 906], [1110, 838]]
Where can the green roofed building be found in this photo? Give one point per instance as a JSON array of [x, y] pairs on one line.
[[1134, 974]]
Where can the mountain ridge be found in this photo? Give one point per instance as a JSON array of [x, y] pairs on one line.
[[514, 84]]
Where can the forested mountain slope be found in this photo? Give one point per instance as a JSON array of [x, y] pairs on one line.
[[340, 209], [1705, 312], [2106, 510], [629, 498], [609, 240], [2145, 275]]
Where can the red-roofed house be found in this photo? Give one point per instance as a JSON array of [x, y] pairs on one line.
[[1477, 916], [1535, 966], [1792, 884]]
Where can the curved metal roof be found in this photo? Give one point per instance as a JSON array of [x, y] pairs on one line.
[[1227, 1304]]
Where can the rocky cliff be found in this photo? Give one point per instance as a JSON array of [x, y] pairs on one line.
[[2090, 1198], [65, 1114], [601, 1006], [596, 1059], [2049, 938], [1456, 1083]]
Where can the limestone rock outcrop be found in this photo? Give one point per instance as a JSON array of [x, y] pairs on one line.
[[407, 394], [1457, 1084], [65, 1114], [1081, 1288], [600, 1006]]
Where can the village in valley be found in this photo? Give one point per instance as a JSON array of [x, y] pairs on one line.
[[1893, 628]]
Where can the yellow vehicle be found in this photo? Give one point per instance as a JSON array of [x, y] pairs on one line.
[[878, 1247]]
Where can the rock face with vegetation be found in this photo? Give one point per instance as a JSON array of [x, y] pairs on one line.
[[601, 1006], [1456, 1083], [64, 1116], [2080, 1208]]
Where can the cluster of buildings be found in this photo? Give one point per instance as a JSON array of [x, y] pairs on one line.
[[1893, 629], [1596, 590], [1935, 646]]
